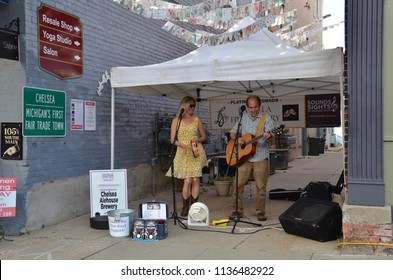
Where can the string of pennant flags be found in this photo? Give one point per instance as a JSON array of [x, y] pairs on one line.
[[283, 34], [224, 15], [200, 38], [158, 4], [219, 14], [301, 35], [148, 8]]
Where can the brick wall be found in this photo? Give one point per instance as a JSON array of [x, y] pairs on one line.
[[367, 239]]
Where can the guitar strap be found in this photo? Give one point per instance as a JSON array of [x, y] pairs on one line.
[[260, 124]]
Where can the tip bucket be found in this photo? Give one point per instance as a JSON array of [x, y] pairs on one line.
[[121, 222]]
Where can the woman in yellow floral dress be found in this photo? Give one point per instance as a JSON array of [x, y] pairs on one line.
[[190, 156]]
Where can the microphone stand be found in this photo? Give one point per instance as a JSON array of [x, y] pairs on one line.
[[175, 217], [236, 147]]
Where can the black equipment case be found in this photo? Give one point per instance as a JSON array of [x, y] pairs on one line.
[[316, 190], [292, 195]]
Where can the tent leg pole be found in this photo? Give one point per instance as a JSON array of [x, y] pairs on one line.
[[342, 107], [113, 129]]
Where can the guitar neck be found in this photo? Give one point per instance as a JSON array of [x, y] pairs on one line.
[[253, 140], [274, 131]]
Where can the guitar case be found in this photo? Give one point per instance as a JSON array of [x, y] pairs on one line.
[[315, 190], [284, 194]]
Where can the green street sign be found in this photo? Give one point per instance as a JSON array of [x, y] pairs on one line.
[[44, 112]]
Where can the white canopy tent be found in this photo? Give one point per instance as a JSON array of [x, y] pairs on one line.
[[262, 65]]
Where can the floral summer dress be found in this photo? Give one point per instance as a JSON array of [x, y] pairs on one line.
[[185, 164]]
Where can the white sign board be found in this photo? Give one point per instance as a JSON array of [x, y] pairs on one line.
[[289, 111], [76, 114], [90, 115], [7, 197], [108, 191], [154, 210]]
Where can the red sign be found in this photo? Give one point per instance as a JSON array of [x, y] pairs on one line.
[[60, 43], [7, 197]]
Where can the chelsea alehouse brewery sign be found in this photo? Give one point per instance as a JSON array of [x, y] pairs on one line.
[[60, 43]]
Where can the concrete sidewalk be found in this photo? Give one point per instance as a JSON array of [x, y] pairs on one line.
[[75, 240]]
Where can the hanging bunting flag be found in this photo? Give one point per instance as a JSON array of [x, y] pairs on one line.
[[292, 34], [309, 46], [286, 27], [286, 18]]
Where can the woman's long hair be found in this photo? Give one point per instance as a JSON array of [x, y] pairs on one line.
[[185, 104]]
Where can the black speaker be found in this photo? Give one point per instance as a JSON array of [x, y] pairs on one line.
[[315, 219]]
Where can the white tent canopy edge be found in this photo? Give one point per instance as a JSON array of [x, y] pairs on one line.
[[260, 61]]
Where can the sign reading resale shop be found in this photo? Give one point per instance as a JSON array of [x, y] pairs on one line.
[[60, 43], [44, 112]]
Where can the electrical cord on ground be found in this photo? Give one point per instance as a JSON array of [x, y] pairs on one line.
[[240, 230], [340, 243]]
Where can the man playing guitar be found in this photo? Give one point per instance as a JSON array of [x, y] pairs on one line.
[[256, 123]]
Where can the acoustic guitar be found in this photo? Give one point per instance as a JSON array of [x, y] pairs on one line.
[[194, 149], [248, 148]]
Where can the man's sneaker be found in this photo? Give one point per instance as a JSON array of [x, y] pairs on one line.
[[235, 214], [261, 217]]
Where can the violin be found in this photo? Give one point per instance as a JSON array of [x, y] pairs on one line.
[[194, 148]]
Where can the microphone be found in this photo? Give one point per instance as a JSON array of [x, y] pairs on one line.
[[242, 109], [181, 113]]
